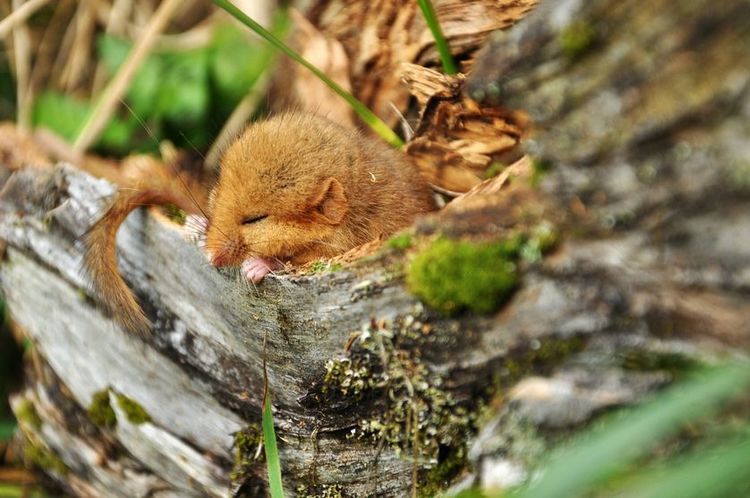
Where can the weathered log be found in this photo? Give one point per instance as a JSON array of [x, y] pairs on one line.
[[648, 186]]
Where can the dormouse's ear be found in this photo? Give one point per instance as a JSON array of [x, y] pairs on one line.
[[330, 201]]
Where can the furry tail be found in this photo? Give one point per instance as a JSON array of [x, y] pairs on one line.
[[100, 256]]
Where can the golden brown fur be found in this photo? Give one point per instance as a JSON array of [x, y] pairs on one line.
[[295, 187], [100, 256], [324, 189]]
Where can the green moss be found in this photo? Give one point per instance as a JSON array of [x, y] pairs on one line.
[[539, 168], [452, 276], [134, 412], [739, 175], [348, 377], [43, 458], [420, 418], [323, 266], [648, 361], [174, 213], [439, 477], [541, 239], [400, 241], [246, 444], [411, 411], [395, 271], [26, 414], [100, 411], [577, 38], [494, 169], [541, 358]]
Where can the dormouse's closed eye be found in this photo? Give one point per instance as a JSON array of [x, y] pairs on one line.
[[254, 219]]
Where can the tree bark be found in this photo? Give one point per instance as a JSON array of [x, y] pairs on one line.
[[641, 117]]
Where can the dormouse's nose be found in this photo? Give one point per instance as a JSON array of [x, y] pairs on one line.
[[224, 256], [218, 260]]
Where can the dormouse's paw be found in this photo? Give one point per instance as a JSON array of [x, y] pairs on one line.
[[196, 227], [256, 269]]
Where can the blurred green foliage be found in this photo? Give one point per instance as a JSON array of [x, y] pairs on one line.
[[619, 457], [184, 96]]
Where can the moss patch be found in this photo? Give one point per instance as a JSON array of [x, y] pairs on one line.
[[541, 239], [44, 459], [26, 414], [174, 213], [439, 477], [246, 444], [350, 377], [649, 361], [739, 176], [400, 241], [134, 412], [494, 169], [412, 411], [542, 358], [577, 38], [100, 411], [452, 276], [539, 168], [323, 266]]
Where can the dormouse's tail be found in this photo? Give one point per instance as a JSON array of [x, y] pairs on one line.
[[100, 256]]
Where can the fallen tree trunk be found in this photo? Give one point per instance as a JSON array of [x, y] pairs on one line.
[[640, 147]]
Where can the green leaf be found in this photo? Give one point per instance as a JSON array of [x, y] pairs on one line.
[[617, 442], [183, 96]]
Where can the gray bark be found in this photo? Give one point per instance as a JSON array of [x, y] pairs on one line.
[[645, 132]]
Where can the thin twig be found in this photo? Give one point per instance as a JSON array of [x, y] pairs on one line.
[[196, 37], [48, 47], [64, 52], [22, 56], [116, 89], [20, 15], [80, 52]]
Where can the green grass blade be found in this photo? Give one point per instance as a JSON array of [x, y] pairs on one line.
[[428, 11], [616, 443], [715, 472], [272, 451], [374, 122], [273, 465]]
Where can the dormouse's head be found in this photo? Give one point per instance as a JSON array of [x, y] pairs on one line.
[[281, 190]]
